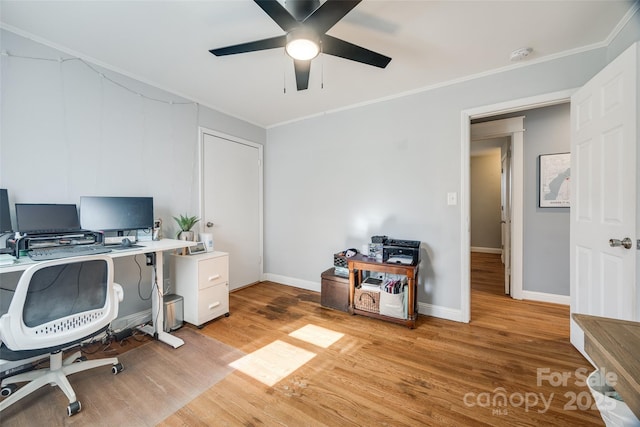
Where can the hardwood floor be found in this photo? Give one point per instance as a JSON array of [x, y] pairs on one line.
[[512, 365]]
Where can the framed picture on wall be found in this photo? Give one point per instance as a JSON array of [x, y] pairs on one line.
[[554, 183]]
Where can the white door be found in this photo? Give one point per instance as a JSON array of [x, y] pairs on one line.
[[232, 204], [505, 209], [603, 194]]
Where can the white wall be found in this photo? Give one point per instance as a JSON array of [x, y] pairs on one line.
[[67, 132]]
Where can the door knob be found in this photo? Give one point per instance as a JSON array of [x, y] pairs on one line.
[[625, 243], [209, 224]]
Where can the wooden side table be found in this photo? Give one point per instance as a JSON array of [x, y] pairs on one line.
[[358, 263]]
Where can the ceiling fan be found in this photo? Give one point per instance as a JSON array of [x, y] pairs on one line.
[[305, 23]]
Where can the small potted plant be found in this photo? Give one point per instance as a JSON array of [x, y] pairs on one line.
[[186, 223]]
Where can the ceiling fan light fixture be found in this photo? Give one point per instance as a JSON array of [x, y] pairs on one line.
[[302, 46]]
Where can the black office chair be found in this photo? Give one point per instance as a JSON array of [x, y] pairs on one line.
[[57, 305]]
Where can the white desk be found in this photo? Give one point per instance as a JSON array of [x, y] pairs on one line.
[[157, 308]]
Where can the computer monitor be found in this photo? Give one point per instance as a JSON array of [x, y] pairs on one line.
[[109, 214], [5, 215], [44, 218]]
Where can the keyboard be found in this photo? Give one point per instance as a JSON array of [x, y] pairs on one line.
[[45, 254]]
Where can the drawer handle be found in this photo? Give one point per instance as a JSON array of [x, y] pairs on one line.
[[214, 305], [214, 277]]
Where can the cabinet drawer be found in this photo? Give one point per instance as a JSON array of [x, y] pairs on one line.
[[213, 271], [212, 302]]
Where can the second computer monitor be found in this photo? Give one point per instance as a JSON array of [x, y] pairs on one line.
[[46, 218], [116, 214]]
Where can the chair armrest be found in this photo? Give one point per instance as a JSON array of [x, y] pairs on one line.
[[118, 291]]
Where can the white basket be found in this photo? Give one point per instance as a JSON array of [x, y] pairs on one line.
[[615, 413], [394, 305]]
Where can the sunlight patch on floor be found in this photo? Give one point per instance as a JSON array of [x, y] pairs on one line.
[[317, 335], [273, 362]]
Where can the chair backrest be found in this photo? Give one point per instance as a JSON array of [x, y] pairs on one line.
[[61, 301]]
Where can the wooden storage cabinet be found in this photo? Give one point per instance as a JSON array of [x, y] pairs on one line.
[[334, 291], [203, 282]]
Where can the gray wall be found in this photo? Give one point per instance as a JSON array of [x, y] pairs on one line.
[[67, 132], [546, 230], [333, 181], [485, 192]]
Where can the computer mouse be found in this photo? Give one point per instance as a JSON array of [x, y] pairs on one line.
[[126, 243]]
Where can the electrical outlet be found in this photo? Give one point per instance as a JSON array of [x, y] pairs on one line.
[[151, 258]]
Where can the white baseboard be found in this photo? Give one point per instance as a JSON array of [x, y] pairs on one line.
[[544, 297], [440, 312], [423, 308], [291, 281], [131, 320], [486, 250]]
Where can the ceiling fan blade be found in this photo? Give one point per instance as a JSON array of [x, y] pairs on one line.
[[301, 9], [279, 14], [302, 69], [329, 14], [264, 44], [343, 49]]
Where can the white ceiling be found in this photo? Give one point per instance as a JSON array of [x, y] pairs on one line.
[[166, 44]]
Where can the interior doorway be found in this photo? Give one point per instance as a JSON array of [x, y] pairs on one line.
[[490, 208], [517, 186], [505, 136]]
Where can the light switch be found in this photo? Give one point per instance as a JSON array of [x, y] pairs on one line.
[[452, 199]]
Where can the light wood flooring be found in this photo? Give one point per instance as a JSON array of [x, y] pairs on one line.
[[504, 368], [512, 365]]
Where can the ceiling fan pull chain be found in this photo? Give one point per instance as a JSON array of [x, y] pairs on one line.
[[321, 68], [284, 73]]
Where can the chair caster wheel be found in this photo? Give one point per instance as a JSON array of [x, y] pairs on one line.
[[74, 408], [80, 359], [117, 368], [8, 389]]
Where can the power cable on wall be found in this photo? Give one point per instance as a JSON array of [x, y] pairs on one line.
[[100, 74]]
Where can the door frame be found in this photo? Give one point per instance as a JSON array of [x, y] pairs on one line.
[[514, 129], [201, 132], [466, 116], [505, 211]]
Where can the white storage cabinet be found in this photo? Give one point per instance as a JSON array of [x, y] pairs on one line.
[[203, 282]]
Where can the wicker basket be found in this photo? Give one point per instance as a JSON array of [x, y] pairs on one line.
[[366, 300]]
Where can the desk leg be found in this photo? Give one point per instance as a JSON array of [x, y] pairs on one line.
[[157, 308]]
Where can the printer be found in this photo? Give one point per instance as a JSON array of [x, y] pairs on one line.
[[395, 251]]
